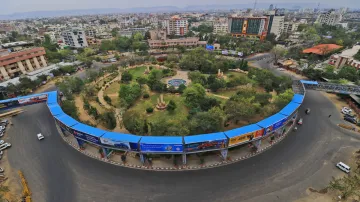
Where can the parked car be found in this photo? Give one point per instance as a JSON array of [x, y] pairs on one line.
[[2, 127], [342, 166], [5, 146], [281, 69], [300, 121], [349, 119], [4, 122], [351, 116], [2, 133], [346, 110], [2, 142], [40, 136], [1, 170]]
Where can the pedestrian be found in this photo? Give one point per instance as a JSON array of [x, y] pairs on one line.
[[329, 115]]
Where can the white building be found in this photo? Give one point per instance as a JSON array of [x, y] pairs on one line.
[[290, 27], [176, 26], [220, 28], [75, 38], [329, 18], [277, 25]]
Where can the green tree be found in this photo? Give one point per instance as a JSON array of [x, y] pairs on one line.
[[115, 31], [70, 86], [171, 106], [181, 88], [126, 77], [129, 93], [283, 99], [109, 120], [207, 122], [357, 55], [217, 84], [106, 45], [193, 95], [348, 73], [134, 122], [197, 77], [172, 58], [168, 127], [278, 52], [69, 107]]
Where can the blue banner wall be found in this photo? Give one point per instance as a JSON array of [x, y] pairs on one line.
[[167, 148], [209, 145], [85, 136]]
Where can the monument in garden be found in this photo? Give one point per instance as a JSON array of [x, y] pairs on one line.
[[161, 104], [147, 70], [220, 74]]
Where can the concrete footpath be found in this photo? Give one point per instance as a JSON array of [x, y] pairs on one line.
[[210, 159]]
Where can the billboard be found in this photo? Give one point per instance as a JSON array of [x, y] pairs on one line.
[[32, 100], [63, 126], [115, 143], [209, 47], [168, 148], [275, 126], [9, 104], [246, 137], [208, 145], [86, 137]]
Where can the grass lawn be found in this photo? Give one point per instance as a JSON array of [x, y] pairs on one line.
[[180, 113], [137, 72], [112, 89], [222, 100], [235, 74], [227, 93]]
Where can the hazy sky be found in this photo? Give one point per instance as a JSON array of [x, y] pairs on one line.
[[12, 6]]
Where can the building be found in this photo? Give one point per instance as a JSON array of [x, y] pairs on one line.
[[17, 63], [74, 38], [17, 46], [90, 32], [322, 49], [329, 18], [158, 34], [346, 58], [220, 28], [248, 27], [275, 22], [187, 42], [176, 26], [290, 27]]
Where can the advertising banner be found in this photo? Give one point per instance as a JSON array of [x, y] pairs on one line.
[[32, 100], [85, 136], [63, 126], [115, 143], [167, 148], [209, 145], [275, 126], [9, 104], [246, 137]]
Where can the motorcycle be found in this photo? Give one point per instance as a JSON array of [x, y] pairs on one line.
[[307, 111]]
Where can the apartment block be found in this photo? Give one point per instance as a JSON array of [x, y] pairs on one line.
[[74, 38], [188, 42], [176, 26], [329, 18], [220, 28], [17, 63]]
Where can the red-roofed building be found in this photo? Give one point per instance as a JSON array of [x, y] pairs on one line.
[[322, 49]]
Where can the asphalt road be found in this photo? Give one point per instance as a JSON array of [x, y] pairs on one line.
[[305, 158], [56, 172]]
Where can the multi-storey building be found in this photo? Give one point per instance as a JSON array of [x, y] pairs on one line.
[[220, 28], [329, 18], [248, 27], [176, 26], [17, 63], [74, 38], [90, 32], [188, 42], [290, 27]]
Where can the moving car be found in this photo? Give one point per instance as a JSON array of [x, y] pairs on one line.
[[350, 119], [40, 136], [346, 110], [300, 121], [342, 166]]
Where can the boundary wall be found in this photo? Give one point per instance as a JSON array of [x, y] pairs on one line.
[[112, 141]]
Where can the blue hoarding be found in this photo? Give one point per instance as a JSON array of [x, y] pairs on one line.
[[171, 148], [275, 126], [86, 137], [209, 47], [208, 145]]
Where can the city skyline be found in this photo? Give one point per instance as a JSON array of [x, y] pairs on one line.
[[19, 6]]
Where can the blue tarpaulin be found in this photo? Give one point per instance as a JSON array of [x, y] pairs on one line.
[[204, 137], [290, 108], [67, 120], [271, 120], [89, 130], [121, 137], [298, 98], [55, 110], [161, 140], [52, 97], [243, 130], [309, 82]]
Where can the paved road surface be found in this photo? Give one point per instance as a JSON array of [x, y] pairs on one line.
[[57, 172]]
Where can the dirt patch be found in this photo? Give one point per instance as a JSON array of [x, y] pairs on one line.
[[83, 115], [314, 196]]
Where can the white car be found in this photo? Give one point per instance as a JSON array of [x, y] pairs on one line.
[[342, 166], [281, 69], [40, 137], [2, 142], [4, 146], [346, 110], [1, 170]]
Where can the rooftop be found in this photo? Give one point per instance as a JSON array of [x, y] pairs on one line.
[[322, 49]]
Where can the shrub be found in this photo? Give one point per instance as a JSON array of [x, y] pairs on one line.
[[149, 110], [107, 99], [146, 95]]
